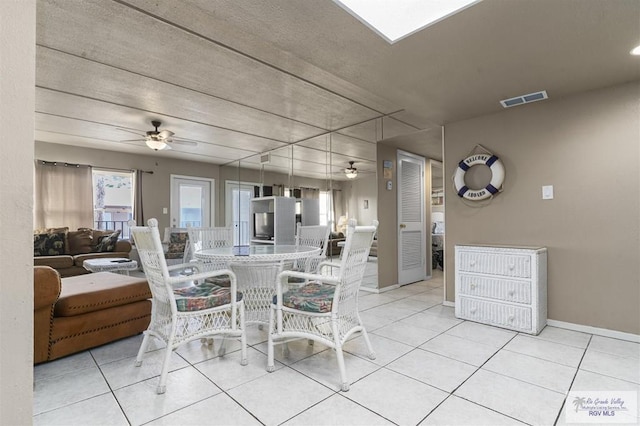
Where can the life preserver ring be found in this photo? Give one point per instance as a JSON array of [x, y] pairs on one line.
[[497, 177]]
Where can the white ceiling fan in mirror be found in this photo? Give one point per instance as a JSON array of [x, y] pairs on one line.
[[159, 140], [351, 172]]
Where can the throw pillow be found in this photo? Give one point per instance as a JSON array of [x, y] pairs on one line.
[[79, 242], [107, 242], [49, 244], [177, 244]]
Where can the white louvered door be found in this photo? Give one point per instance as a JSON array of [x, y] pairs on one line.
[[411, 222]]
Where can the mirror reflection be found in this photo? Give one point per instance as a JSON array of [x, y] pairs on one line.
[[321, 181]]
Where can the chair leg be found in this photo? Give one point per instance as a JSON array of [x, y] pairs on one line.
[[270, 363], [162, 387], [143, 349], [243, 338], [344, 386], [371, 354], [223, 348]]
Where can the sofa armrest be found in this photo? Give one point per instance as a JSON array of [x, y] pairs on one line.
[[46, 287], [46, 290], [123, 246]]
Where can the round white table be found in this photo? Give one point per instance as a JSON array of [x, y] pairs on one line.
[[110, 264], [257, 253], [256, 268]]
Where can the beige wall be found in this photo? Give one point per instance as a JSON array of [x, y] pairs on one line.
[[587, 147], [388, 218], [155, 187], [355, 193], [17, 94]]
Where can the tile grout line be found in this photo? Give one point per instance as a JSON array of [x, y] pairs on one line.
[[564, 401]]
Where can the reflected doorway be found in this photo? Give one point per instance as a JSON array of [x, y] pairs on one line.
[[437, 218]]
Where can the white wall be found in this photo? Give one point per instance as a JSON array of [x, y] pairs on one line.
[[17, 105]]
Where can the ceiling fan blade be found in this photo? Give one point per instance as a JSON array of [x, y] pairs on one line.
[[133, 140], [165, 134], [130, 131], [184, 142]]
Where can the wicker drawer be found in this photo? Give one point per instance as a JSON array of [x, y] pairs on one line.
[[495, 288], [509, 265], [498, 314]]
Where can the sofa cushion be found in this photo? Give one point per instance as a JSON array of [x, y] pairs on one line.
[[79, 241], [101, 290], [56, 262], [107, 242], [49, 244]]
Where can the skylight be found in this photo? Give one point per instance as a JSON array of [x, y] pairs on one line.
[[394, 20]]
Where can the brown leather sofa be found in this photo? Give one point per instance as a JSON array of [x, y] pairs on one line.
[[77, 313], [80, 245]]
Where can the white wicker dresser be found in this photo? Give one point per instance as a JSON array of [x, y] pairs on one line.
[[502, 286]]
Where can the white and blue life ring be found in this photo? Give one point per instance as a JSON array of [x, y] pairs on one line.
[[497, 177]]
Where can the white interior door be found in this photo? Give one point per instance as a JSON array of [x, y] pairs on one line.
[[191, 201], [238, 211], [411, 219]]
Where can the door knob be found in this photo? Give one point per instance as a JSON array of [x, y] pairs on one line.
[[402, 226]]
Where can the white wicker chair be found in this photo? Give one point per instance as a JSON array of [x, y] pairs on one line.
[[257, 282], [187, 313], [325, 309], [312, 236], [208, 238]]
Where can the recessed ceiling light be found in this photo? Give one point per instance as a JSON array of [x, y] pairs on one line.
[[394, 20], [635, 51]]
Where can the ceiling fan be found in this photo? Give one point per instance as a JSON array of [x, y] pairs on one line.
[[159, 140]]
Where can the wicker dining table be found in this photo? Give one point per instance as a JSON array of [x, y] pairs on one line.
[[257, 268]]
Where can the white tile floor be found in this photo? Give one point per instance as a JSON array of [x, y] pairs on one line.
[[431, 368]]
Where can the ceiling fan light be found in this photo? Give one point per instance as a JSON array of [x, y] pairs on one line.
[[351, 172], [156, 144]]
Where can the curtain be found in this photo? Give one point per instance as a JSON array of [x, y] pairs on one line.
[[312, 193], [138, 212], [337, 203], [63, 196]]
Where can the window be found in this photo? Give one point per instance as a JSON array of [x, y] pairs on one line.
[[326, 209], [112, 200]]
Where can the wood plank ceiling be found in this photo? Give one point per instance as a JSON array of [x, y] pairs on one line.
[[242, 77]]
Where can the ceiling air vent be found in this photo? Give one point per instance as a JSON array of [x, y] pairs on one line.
[[265, 158], [524, 99]]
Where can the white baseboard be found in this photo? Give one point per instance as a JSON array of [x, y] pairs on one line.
[[450, 304], [595, 330], [388, 288]]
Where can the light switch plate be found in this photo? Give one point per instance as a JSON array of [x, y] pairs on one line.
[[389, 185], [165, 210], [547, 192]]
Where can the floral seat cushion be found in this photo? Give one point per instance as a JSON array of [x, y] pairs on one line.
[[202, 296], [220, 281], [312, 297]]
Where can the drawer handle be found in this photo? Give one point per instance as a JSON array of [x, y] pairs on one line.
[[473, 310], [473, 286], [511, 318], [511, 293], [512, 267], [472, 263]]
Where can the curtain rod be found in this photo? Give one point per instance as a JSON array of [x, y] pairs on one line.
[[65, 164]]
